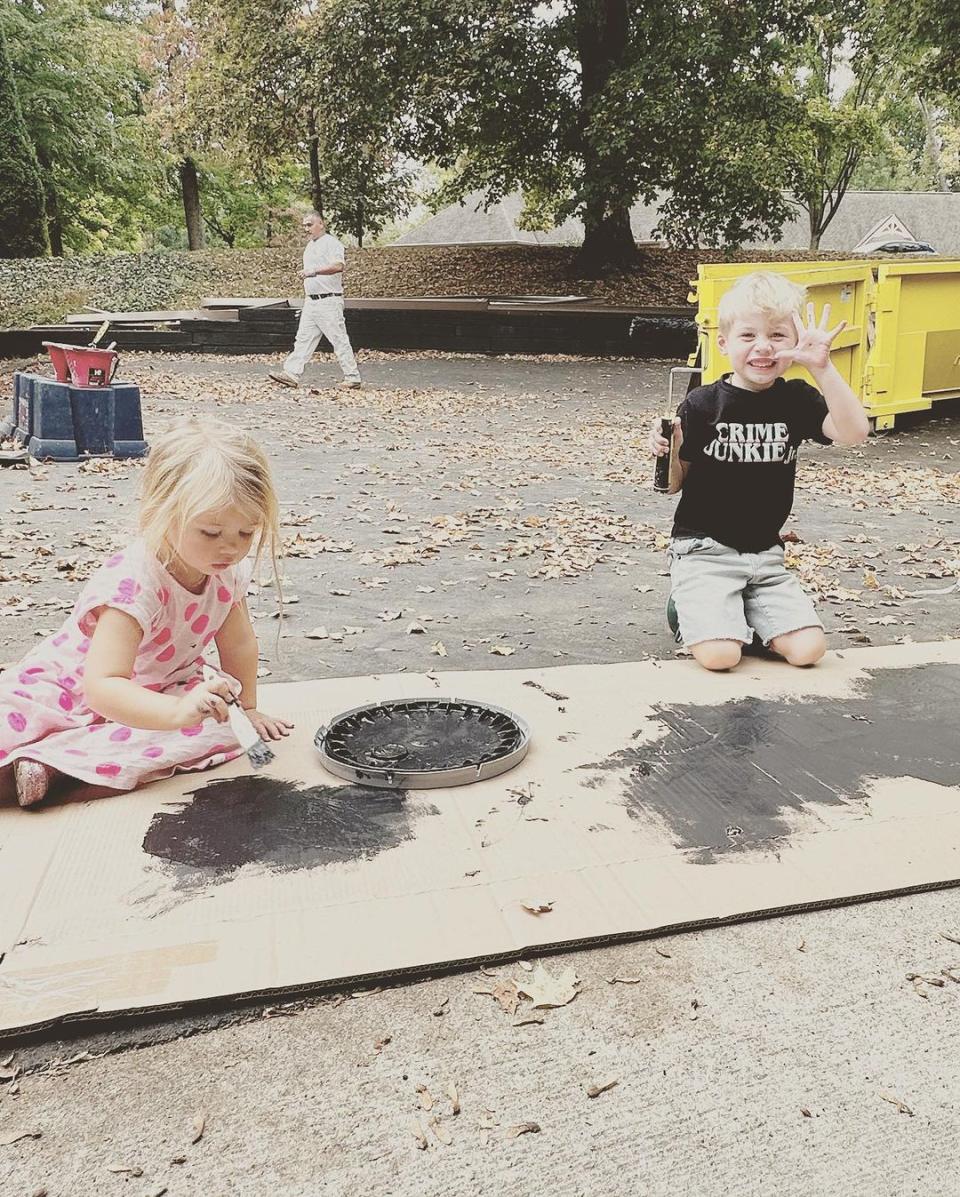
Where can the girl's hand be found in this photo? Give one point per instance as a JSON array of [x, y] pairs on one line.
[[813, 342], [658, 444], [208, 700], [267, 727]]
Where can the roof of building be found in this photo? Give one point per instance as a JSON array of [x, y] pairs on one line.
[[932, 216]]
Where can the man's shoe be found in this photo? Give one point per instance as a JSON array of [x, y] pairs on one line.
[[285, 379], [673, 620], [350, 384]]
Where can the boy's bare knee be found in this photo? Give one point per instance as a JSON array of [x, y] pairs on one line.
[[717, 654], [803, 647]]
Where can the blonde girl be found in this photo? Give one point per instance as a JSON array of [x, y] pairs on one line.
[[117, 697]]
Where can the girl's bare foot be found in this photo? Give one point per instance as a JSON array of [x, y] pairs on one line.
[[32, 780]]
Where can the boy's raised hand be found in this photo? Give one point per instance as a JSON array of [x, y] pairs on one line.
[[812, 349]]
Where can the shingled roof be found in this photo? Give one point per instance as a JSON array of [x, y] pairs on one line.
[[932, 216]]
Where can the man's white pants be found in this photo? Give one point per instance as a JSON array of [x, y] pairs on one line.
[[322, 318]]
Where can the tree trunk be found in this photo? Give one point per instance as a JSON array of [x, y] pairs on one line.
[[52, 200], [316, 188], [359, 229], [603, 28], [190, 186], [933, 145]]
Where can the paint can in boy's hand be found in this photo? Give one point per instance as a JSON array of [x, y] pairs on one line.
[[661, 471]]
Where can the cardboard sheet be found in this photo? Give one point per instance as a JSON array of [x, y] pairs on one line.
[[655, 796]]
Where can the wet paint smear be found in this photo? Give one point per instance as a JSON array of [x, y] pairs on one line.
[[725, 777], [279, 825]]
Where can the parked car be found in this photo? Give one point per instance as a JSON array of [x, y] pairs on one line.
[[903, 247]]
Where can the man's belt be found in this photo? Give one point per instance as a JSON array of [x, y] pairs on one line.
[[327, 295]]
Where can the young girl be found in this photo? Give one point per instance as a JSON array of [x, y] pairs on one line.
[[117, 696]]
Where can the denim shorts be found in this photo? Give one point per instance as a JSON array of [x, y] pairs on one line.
[[721, 594]]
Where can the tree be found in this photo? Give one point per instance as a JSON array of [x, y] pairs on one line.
[[23, 225], [846, 85], [81, 90], [583, 105]]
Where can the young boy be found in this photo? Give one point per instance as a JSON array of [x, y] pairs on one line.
[[739, 438]]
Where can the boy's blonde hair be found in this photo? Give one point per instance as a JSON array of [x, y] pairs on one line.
[[763, 291], [203, 465]]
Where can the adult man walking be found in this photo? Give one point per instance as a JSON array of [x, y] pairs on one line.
[[322, 314]]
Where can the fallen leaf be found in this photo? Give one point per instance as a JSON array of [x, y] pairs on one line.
[[624, 980], [902, 1107], [425, 1097], [535, 907], [199, 1126], [547, 991], [805, 1112], [503, 650], [454, 1096], [596, 1090], [317, 634], [527, 1019], [436, 1125], [9, 1140], [352, 631], [415, 629], [438, 649], [417, 1131], [131, 1170], [505, 994], [389, 616], [522, 1128]]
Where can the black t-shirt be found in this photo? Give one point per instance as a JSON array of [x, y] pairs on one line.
[[742, 449]]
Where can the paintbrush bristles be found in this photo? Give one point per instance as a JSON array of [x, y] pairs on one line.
[[259, 754]]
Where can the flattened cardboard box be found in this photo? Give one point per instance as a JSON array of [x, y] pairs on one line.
[[654, 796]]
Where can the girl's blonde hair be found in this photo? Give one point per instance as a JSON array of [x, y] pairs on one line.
[[204, 465], [763, 291]]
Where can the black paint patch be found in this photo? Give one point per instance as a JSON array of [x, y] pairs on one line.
[[724, 777], [237, 821]]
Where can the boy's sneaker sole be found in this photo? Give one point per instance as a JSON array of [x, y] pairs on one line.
[[285, 380], [673, 621]]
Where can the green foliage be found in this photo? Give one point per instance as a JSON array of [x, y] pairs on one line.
[[584, 107], [23, 230], [81, 89], [846, 91]]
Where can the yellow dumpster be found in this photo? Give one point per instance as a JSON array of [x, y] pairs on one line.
[[914, 357], [900, 350], [846, 286]]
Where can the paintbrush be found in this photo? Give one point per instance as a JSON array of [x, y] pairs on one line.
[[257, 752]]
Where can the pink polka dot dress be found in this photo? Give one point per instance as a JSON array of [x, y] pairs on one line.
[[43, 715]]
